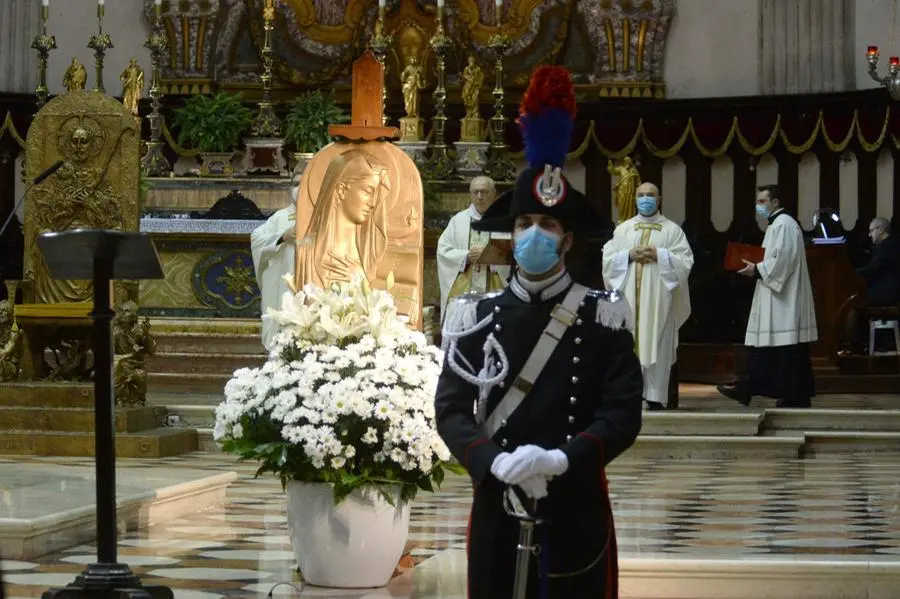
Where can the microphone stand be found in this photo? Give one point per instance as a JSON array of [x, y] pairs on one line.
[[37, 181]]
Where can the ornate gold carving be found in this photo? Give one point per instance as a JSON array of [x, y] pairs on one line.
[[10, 343], [627, 181], [359, 211], [473, 81], [133, 345], [413, 82], [412, 128], [97, 188], [75, 76], [132, 79]]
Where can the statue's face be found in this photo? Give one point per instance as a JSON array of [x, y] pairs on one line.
[[80, 141], [359, 198]]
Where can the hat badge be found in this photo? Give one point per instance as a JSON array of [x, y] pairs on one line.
[[550, 187]]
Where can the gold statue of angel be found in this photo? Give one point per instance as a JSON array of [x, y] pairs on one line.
[[627, 181], [132, 79]]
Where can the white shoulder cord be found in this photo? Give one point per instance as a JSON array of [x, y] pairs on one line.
[[460, 322]]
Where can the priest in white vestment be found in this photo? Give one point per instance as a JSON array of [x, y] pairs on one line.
[[782, 320], [649, 260], [459, 249], [273, 247]]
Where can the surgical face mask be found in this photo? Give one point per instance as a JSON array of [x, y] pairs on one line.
[[536, 250], [762, 210], [646, 205]]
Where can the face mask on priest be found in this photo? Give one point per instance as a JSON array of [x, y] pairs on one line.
[[647, 200]]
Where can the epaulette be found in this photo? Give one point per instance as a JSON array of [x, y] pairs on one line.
[[462, 311], [613, 310]]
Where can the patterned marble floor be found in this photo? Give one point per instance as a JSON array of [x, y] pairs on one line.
[[845, 508]]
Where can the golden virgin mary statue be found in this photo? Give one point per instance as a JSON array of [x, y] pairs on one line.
[[347, 232]]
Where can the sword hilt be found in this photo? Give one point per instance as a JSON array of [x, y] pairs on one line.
[[519, 505]]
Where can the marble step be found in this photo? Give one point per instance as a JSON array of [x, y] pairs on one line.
[[191, 363], [191, 400], [208, 343], [831, 420], [745, 424], [844, 442], [153, 443], [221, 326], [188, 383], [41, 394], [716, 447], [128, 420]]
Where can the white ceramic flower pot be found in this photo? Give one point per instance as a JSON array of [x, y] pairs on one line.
[[356, 544]]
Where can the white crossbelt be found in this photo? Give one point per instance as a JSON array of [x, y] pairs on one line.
[[563, 316]]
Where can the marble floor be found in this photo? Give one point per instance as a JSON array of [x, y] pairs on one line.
[[834, 511]]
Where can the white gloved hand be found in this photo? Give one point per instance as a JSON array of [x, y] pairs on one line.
[[530, 460], [498, 465], [535, 487]]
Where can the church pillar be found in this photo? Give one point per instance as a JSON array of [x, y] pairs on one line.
[[806, 46], [19, 23]]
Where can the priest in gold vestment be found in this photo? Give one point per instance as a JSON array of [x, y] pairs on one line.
[[649, 260], [460, 247]]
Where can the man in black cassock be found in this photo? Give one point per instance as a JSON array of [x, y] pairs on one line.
[[541, 389]]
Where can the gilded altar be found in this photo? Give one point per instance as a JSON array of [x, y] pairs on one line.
[[612, 48]]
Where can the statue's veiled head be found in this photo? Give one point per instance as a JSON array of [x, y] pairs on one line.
[[358, 178]]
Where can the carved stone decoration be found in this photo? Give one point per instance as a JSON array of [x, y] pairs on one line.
[[629, 42], [10, 343], [97, 187], [360, 210], [538, 30], [191, 29], [133, 344]]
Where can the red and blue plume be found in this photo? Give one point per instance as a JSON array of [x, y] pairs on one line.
[[547, 116]]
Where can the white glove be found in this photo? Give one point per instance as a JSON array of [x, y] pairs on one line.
[[497, 466], [528, 461], [535, 487]]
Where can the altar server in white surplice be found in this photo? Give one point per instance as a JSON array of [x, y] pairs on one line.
[[649, 260], [782, 321], [273, 246], [459, 249]]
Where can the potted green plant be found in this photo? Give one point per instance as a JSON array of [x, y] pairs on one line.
[[213, 125], [306, 125]]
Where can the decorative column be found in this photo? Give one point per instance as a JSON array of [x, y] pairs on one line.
[[807, 46], [44, 44], [440, 165], [100, 43]]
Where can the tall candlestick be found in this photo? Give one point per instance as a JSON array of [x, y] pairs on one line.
[[101, 2], [440, 3], [154, 162], [100, 43], [45, 2], [44, 44]]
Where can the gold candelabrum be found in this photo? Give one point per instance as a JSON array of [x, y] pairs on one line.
[[100, 43], [44, 44], [154, 163], [267, 123], [891, 82], [440, 165], [499, 167], [379, 44]]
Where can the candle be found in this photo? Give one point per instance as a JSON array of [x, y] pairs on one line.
[[498, 10], [45, 2], [872, 50], [381, 3], [440, 3], [101, 2], [157, 2]]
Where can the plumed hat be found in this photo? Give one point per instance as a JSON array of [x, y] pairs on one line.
[[546, 118]]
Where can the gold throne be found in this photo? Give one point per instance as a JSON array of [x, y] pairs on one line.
[[97, 188]]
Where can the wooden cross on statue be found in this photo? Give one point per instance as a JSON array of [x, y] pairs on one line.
[[366, 107]]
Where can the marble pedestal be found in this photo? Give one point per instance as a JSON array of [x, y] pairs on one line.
[[264, 155], [471, 156], [415, 150]]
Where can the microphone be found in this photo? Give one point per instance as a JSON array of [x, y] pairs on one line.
[[47, 172]]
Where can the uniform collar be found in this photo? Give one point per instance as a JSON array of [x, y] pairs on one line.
[[540, 291]]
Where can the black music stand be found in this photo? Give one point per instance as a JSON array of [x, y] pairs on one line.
[[103, 256]]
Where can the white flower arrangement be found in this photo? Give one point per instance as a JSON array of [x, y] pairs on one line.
[[346, 396]]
